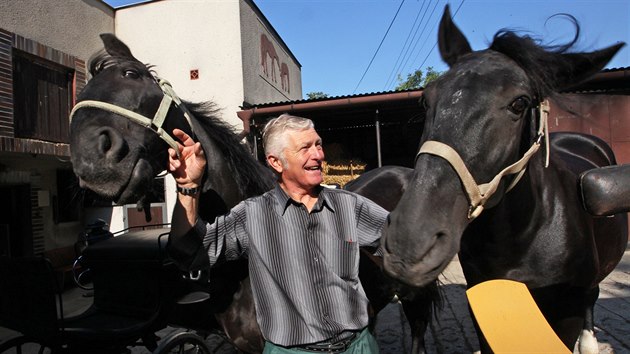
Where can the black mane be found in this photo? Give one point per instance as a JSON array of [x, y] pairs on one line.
[[533, 57], [251, 176]]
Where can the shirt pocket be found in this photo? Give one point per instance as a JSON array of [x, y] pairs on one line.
[[343, 259]]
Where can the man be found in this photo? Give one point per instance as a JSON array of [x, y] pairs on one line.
[[302, 242]]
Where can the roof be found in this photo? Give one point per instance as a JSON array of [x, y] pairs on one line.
[[349, 109], [611, 81]]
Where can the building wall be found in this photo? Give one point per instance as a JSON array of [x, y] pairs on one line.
[[272, 84], [71, 26], [179, 36], [603, 115]]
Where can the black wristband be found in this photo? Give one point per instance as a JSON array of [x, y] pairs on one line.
[[187, 191]]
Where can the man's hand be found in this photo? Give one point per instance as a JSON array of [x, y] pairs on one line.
[[187, 170]]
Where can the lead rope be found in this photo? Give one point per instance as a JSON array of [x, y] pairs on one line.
[[478, 194]]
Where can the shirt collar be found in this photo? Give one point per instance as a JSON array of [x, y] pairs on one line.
[[283, 201]]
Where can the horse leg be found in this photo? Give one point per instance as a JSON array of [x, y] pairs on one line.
[[587, 341], [239, 321]]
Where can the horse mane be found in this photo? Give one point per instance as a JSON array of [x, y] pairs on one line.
[[251, 176], [534, 57]]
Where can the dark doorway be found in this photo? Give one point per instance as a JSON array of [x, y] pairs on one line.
[[15, 221]]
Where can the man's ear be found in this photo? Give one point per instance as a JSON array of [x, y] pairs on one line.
[[275, 163]]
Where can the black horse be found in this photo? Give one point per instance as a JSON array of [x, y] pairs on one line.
[[487, 112], [116, 156]]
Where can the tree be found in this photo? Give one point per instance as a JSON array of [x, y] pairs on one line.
[[316, 95], [417, 79]]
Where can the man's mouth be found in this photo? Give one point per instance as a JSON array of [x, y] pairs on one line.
[[313, 168]]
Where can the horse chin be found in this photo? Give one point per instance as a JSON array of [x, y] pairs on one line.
[[421, 263], [138, 185], [413, 274]]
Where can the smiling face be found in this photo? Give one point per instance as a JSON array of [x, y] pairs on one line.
[[300, 168]]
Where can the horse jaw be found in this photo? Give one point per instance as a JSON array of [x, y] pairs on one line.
[[425, 229]]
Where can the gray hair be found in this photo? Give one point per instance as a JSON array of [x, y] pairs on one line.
[[274, 141]]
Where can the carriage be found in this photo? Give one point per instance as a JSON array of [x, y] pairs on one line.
[[137, 292]]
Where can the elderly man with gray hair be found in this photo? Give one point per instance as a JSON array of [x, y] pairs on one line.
[[302, 242]]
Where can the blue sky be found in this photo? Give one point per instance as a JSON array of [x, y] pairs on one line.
[[335, 40]]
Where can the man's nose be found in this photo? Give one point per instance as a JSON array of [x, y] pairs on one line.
[[317, 153]]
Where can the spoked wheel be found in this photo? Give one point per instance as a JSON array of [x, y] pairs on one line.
[[24, 345], [182, 343]]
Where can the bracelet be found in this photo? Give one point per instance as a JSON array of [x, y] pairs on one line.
[[187, 191]]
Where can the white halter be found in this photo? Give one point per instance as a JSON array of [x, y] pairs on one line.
[[478, 194], [155, 123]]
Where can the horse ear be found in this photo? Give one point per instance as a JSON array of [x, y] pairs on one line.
[[452, 42], [577, 67], [115, 47]]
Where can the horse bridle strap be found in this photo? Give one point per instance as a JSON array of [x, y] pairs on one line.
[[155, 123], [478, 194]]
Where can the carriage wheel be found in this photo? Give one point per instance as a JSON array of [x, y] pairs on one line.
[[182, 343], [23, 344]]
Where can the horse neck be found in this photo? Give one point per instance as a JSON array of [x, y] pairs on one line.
[[219, 176]]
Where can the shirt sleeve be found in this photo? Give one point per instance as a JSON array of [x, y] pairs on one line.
[[370, 220], [225, 239]]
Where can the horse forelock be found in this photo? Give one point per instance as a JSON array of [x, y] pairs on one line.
[[249, 174], [102, 60]]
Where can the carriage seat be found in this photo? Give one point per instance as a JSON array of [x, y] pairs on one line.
[[605, 191], [140, 245]]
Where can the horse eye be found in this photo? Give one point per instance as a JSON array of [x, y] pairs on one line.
[[131, 74], [519, 105], [423, 103]]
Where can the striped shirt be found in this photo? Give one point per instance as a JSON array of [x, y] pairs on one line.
[[304, 267]]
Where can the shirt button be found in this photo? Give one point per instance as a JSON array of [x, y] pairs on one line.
[[316, 259]]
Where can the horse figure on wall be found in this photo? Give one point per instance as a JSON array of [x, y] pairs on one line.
[[116, 156], [486, 121], [284, 77], [267, 49]]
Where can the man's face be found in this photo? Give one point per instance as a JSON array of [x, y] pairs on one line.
[[304, 156]]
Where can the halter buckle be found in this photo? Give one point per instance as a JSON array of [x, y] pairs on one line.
[[474, 211]]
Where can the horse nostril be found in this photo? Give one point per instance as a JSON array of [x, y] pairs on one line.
[[111, 144], [104, 143]]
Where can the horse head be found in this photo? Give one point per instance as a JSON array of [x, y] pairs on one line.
[[482, 125], [121, 129]]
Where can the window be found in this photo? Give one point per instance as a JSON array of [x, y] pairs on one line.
[[42, 98]]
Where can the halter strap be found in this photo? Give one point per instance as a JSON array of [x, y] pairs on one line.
[[155, 123], [478, 194]]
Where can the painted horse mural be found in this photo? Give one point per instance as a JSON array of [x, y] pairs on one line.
[[486, 121]]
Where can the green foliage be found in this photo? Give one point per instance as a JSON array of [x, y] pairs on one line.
[[316, 95], [418, 79]]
